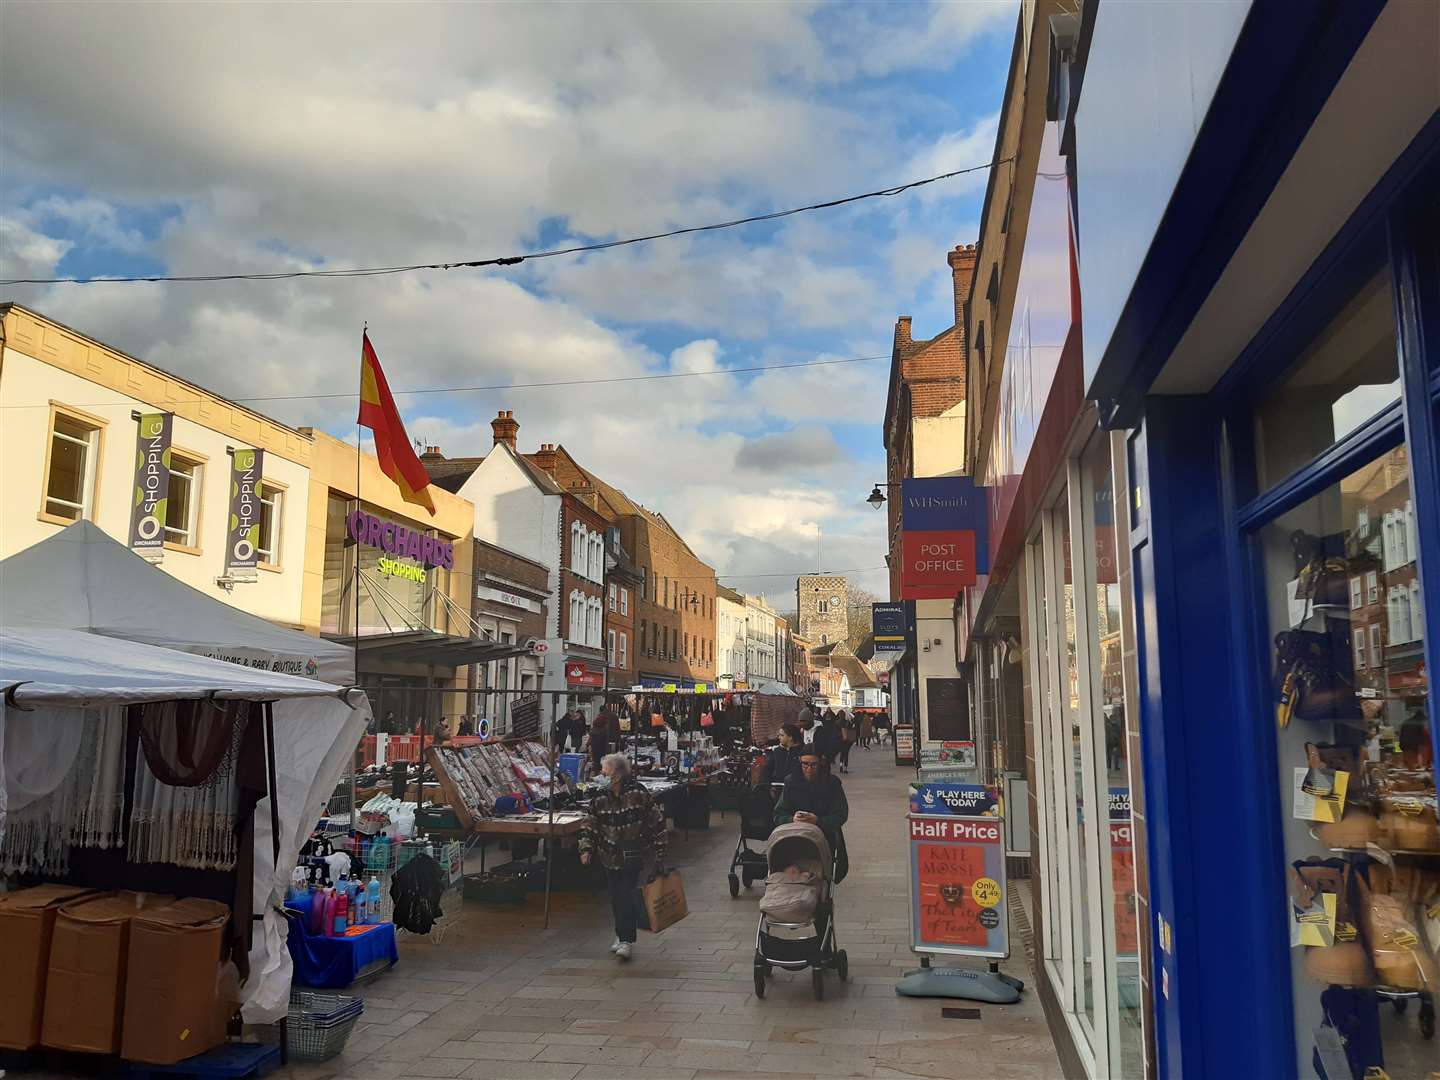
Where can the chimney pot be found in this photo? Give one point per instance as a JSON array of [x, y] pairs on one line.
[[505, 428]]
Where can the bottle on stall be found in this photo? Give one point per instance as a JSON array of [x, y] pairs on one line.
[[353, 890], [372, 898], [342, 913], [326, 922], [315, 922], [357, 906]]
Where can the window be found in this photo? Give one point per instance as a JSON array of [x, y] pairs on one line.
[[685, 643], [71, 460], [575, 630], [1372, 587], [577, 547], [1377, 657], [1357, 596], [640, 649], [182, 508], [644, 585], [624, 601], [271, 500], [822, 607], [613, 597], [624, 641], [610, 646], [1360, 649]]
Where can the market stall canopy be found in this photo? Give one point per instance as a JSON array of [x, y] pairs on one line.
[[83, 579], [771, 687], [49, 677]]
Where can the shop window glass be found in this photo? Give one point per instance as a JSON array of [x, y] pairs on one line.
[[1347, 375], [1072, 727], [1055, 896], [70, 485], [182, 508], [396, 594], [1122, 931], [1356, 784], [271, 499]]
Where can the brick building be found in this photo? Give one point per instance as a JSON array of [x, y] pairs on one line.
[[510, 605], [622, 591], [822, 603], [670, 628], [924, 430]]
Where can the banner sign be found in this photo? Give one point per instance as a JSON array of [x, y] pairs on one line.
[[152, 485], [402, 540], [242, 540], [958, 893], [961, 800], [936, 565], [887, 624], [947, 504], [955, 754], [525, 716]]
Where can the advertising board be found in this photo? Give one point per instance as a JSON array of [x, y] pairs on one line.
[[958, 891]]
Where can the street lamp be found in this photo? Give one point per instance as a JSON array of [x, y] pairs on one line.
[[877, 497]]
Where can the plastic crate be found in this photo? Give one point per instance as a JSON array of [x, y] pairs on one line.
[[320, 1024]]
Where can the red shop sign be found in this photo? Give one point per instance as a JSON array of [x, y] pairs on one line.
[[579, 674], [936, 565]]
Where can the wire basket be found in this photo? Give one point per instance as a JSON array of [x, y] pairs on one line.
[[320, 1024]]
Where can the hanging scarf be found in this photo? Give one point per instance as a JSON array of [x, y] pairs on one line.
[[185, 797]]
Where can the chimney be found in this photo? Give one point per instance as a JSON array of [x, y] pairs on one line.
[[432, 453], [505, 428], [545, 457], [962, 268], [902, 332]]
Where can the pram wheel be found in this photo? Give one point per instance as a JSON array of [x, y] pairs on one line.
[[761, 971], [734, 886], [817, 981], [842, 966]]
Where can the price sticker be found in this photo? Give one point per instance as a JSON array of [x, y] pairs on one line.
[[986, 892]]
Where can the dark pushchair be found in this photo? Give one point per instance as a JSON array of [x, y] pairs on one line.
[[757, 808], [797, 913]]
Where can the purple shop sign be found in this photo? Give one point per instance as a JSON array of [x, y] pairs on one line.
[[396, 539]]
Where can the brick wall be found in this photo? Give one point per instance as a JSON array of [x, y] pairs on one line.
[[497, 568], [678, 600]]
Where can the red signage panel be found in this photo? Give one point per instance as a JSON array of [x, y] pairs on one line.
[[578, 673], [936, 565]]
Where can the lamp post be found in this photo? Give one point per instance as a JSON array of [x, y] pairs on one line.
[[877, 497]]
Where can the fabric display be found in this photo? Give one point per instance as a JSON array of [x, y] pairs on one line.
[[185, 797], [64, 771], [481, 776]]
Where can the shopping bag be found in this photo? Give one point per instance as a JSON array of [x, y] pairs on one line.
[[663, 900]]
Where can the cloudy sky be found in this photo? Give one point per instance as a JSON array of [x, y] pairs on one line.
[[208, 138]]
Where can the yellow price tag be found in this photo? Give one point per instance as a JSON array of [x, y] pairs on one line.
[[986, 891]]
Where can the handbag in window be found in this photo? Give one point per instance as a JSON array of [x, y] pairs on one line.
[[1309, 682], [1321, 570]]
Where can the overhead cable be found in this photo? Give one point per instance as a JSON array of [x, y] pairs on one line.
[[506, 260]]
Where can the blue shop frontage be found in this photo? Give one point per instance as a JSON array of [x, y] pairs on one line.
[[1210, 431]]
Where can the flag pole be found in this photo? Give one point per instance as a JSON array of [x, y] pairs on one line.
[[354, 758]]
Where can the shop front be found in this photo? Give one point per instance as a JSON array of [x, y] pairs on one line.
[[1261, 310], [396, 587]]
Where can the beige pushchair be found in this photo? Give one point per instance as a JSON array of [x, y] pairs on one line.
[[797, 925]]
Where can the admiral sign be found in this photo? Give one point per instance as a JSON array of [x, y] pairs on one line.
[[887, 624]]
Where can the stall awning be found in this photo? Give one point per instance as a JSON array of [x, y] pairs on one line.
[[431, 647]]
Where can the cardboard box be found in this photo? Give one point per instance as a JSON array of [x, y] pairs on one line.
[[85, 988], [174, 1007], [27, 921]]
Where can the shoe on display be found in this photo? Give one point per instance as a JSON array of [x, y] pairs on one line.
[[622, 950]]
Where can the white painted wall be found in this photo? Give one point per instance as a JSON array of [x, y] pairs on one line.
[[730, 638], [938, 443], [1150, 76], [26, 389], [933, 622]]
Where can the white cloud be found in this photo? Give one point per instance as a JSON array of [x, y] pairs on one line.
[[27, 253]]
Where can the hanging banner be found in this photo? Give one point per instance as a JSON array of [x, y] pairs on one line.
[[936, 565], [242, 541], [887, 624], [947, 504], [958, 893], [152, 485]]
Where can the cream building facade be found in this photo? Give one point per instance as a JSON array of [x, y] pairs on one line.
[[68, 438]]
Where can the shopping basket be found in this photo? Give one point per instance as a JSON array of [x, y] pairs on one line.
[[320, 1023]]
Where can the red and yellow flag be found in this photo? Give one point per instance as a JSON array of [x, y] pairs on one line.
[[392, 445]]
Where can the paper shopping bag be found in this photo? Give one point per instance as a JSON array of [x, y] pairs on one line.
[[664, 900]]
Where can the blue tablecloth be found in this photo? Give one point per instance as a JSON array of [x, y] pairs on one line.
[[331, 963]]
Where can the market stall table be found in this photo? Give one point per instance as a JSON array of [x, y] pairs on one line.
[[331, 963]]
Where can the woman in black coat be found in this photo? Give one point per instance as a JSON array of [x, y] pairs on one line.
[[780, 762]]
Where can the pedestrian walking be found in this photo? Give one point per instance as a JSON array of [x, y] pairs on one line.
[[867, 730], [626, 832], [813, 795], [780, 762], [847, 732], [882, 728], [604, 739], [826, 738]]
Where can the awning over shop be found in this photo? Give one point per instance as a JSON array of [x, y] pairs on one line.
[[430, 647]]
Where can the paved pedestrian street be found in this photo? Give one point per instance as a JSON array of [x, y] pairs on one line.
[[498, 997]]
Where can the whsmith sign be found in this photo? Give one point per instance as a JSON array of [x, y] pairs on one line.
[[943, 521]]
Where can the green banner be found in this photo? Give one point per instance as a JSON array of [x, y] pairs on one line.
[[152, 485], [242, 542]]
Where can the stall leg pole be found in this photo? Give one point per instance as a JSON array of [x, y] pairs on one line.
[[550, 838], [271, 782]]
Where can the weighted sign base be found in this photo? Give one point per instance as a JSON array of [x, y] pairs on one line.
[[992, 987]]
